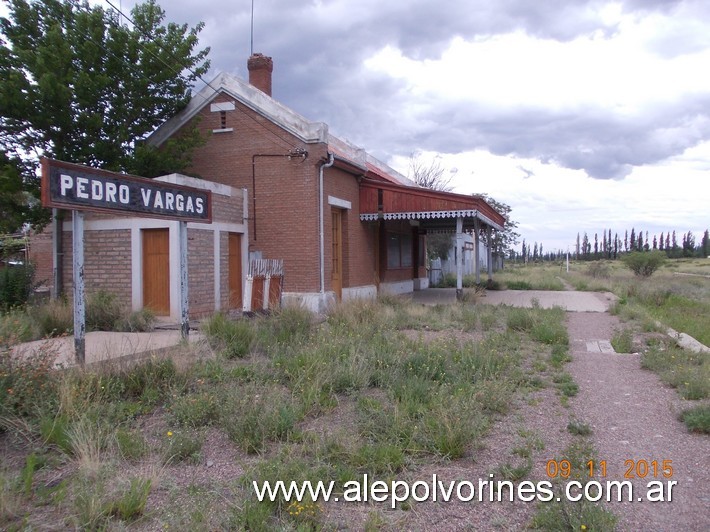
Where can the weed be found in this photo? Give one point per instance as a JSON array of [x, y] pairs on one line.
[[233, 337], [514, 472], [195, 410], [103, 311], [578, 428], [181, 447], [622, 341], [565, 384], [254, 415], [131, 444], [559, 355], [697, 419], [131, 504]]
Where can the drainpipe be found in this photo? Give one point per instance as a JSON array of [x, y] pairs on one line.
[[321, 214]]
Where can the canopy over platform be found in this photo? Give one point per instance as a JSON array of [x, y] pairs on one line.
[[434, 209]]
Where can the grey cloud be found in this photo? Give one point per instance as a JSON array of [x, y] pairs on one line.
[[318, 54]]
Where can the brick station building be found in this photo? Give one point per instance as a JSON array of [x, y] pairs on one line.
[[136, 258], [345, 224]]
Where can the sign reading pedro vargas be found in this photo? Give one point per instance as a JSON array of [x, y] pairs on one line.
[[78, 187]]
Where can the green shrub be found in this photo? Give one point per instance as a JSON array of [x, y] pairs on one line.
[[518, 285], [697, 419], [644, 263], [131, 504], [16, 283], [195, 410], [131, 444], [103, 311], [623, 341], [28, 384], [139, 321], [233, 337], [599, 270], [54, 318], [181, 447]]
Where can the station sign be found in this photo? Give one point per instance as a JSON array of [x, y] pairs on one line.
[[78, 187]]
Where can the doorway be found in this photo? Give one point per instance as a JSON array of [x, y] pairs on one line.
[[337, 267], [156, 270]]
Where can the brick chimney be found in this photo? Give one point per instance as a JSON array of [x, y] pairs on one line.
[[260, 69]]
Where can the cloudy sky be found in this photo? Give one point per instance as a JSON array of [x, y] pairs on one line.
[[581, 115]]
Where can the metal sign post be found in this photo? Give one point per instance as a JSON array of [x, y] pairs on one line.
[[184, 299], [78, 277]]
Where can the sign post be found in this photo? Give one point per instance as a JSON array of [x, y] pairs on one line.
[[81, 188], [78, 277]]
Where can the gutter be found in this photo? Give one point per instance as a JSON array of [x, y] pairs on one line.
[[321, 234]]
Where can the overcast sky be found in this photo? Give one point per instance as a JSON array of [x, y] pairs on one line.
[[581, 115]]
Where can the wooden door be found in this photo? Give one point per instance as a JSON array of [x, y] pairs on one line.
[[235, 271], [337, 267], [156, 270]]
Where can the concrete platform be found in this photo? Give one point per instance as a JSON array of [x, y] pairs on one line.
[[106, 346], [572, 301]]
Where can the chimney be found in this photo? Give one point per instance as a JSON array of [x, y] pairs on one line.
[[260, 69]]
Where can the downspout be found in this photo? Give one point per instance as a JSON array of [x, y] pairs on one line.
[[321, 214]]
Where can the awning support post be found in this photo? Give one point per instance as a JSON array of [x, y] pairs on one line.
[[459, 257], [476, 250], [490, 253]]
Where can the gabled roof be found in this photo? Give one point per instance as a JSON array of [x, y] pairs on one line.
[[249, 96], [302, 128]]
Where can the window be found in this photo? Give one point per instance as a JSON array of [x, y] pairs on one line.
[[399, 250]]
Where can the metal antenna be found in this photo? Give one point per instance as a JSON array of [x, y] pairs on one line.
[[252, 29]]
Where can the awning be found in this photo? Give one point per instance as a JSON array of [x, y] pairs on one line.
[[381, 200]]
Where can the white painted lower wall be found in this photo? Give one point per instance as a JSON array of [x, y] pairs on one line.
[[360, 292], [396, 288]]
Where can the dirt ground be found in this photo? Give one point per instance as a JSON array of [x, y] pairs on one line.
[[635, 417]]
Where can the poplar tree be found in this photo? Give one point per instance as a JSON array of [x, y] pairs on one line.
[[705, 246], [79, 86], [632, 240]]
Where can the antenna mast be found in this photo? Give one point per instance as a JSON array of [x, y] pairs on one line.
[[252, 28]]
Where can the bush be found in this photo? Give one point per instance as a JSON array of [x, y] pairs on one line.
[[234, 337], [15, 285], [54, 318], [644, 263], [103, 311], [697, 419]]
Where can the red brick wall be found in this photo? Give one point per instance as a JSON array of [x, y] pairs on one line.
[[200, 268], [107, 263], [286, 200]]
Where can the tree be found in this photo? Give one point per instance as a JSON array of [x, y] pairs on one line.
[[632, 240], [429, 175], [507, 238], [661, 242], [705, 245], [81, 87], [18, 197]]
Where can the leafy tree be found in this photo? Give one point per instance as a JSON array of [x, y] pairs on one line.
[[705, 246], [508, 237], [632, 240], [661, 242], [19, 201], [79, 86]]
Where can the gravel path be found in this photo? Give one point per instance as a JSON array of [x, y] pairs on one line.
[[634, 417]]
